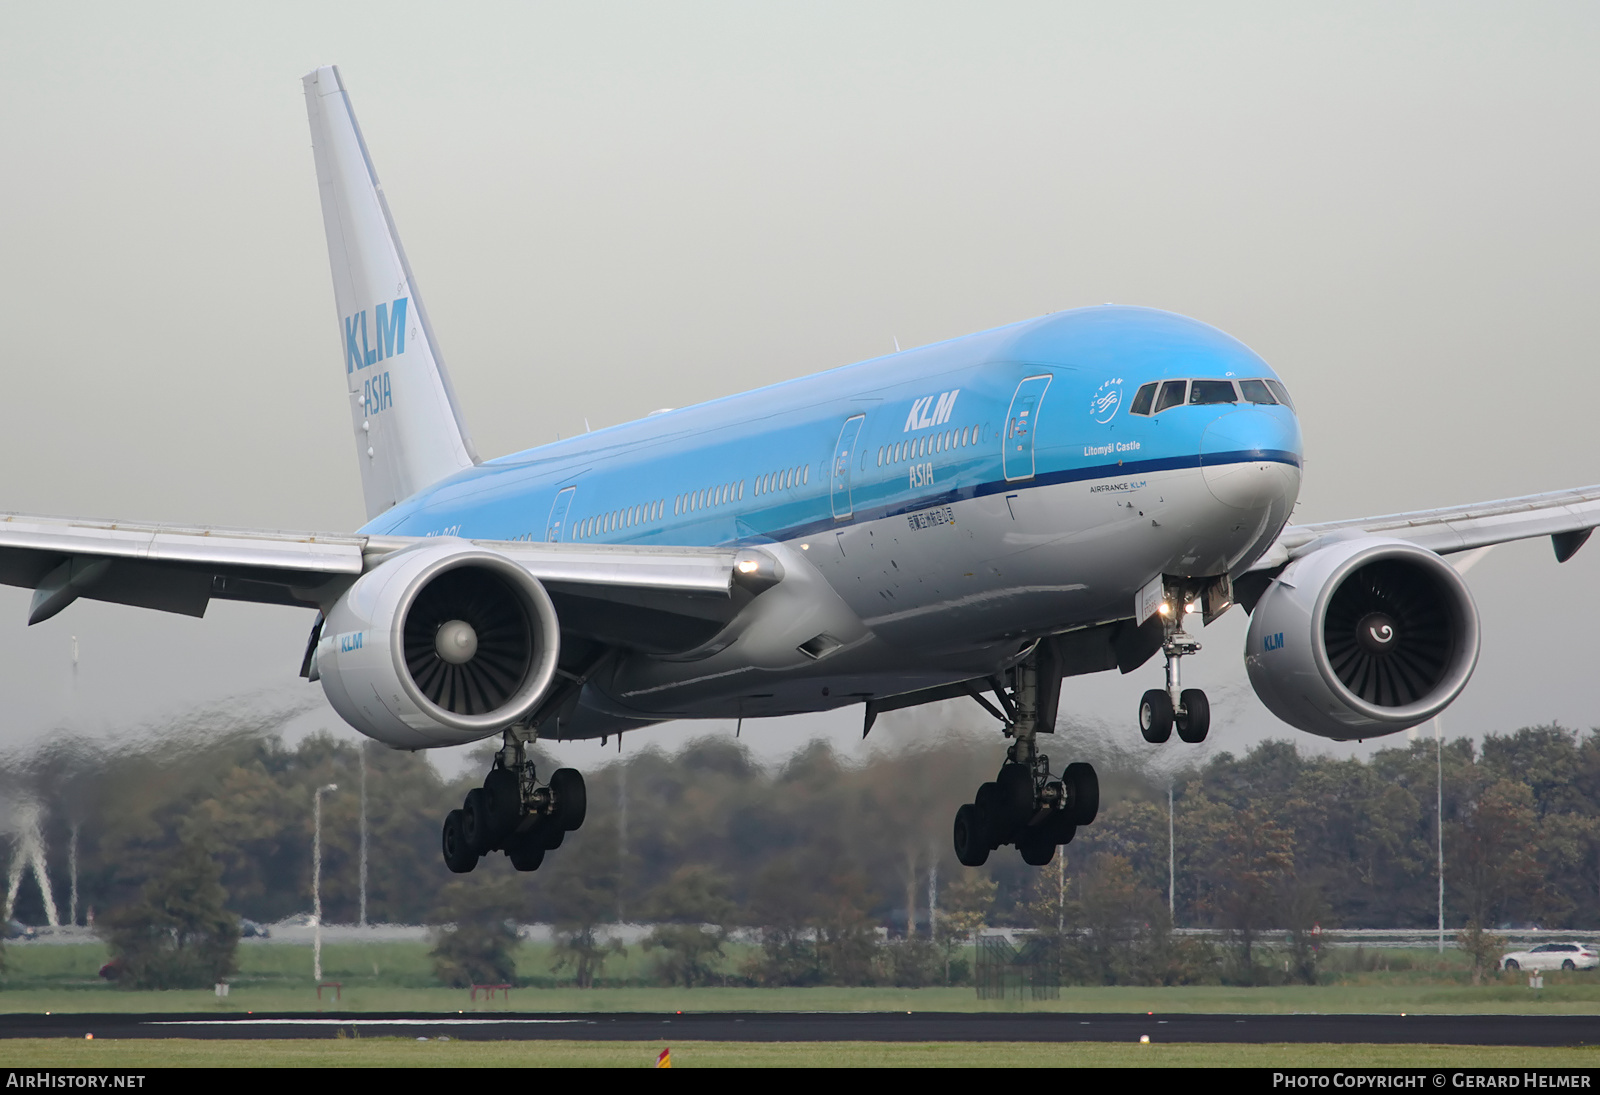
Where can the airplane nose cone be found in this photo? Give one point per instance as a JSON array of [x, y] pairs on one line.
[[1250, 458]]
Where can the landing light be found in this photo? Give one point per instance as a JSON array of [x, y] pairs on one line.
[[1192, 606], [1165, 609], [748, 566]]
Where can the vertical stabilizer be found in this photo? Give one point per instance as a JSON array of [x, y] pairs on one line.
[[408, 427]]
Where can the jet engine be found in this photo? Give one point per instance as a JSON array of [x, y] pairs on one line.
[[1362, 637], [439, 645]]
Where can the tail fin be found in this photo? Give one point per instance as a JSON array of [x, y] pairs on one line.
[[408, 426]]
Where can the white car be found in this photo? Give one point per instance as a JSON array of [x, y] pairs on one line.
[[1554, 956]]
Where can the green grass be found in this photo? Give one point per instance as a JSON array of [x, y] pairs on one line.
[[399, 977], [404, 1053], [1334, 999]]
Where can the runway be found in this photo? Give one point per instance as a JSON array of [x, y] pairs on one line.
[[1500, 1030]]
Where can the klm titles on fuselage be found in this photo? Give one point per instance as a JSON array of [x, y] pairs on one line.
[[921, 418]]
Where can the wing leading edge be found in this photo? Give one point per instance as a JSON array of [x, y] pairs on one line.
[[608, 592], [1566, 516]]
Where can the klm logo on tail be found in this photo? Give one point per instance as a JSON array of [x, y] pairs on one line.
[[389, 331]]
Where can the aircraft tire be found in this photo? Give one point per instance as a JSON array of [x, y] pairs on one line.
[[572, 799], [1196, 718], [1013, 803], [1084, 788], [985, 805], [549, 833], [1037, 853], [457, 856], [972, 843], [526, 853], [477, 821], [1155, 716], [1058, 828], [505, 795]]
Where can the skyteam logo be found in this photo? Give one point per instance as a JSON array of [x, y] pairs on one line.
[[389, 335], [1107, 400]]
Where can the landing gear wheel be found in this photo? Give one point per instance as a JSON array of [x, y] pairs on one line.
[[505, 793], [1196, 718], [457, 856], [572, 801], [1013, 801], [526, 853], [548, 833], [1083, 793], [1155, 716], [986, 814], [971, 839], [1058, 828], [1036, 853], [477, 821]]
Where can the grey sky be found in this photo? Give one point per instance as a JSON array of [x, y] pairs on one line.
[[613, 208]]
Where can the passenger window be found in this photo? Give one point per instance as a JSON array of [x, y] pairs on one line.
[[1143, 398], [1171, 394], [1256, 391], [1212, 391], [1282, 393]]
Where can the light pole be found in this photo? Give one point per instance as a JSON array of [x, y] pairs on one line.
[[362, 919], [1438, 759], [316, 881]]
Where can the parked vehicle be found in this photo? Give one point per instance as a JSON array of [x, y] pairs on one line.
[[1554, 956]]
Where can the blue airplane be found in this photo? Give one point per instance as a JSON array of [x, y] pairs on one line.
[[977, 518]]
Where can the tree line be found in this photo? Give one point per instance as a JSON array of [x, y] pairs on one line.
[[817, 855]]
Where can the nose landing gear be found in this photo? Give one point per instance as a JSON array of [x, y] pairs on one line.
[[1187, 709], [512, 812], [1025, 805]]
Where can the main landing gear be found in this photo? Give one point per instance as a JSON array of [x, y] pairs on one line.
[[1175, 706], [512, 812], [1025, 805]]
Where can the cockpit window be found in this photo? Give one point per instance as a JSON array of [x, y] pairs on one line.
[[1142, 399], [1256, 391], [1171, 394], [1282, 393], [1212, 391]]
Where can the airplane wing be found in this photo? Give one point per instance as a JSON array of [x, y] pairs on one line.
[[607, 592], [1566, 516]]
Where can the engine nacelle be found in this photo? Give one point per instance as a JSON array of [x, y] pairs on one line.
[[1361, 638], [440, 645]]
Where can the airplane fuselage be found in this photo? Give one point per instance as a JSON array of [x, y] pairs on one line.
[[958, 499]]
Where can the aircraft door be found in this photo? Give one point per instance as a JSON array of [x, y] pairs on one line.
[[1022, 422], [843, 457], [558, 515]]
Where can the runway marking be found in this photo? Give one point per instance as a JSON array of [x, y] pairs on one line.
[[352, 1021]]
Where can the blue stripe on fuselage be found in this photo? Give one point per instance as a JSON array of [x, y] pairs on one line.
[[1090, 355]]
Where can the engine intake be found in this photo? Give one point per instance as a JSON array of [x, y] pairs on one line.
[[438, 646], [1361, 638]]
